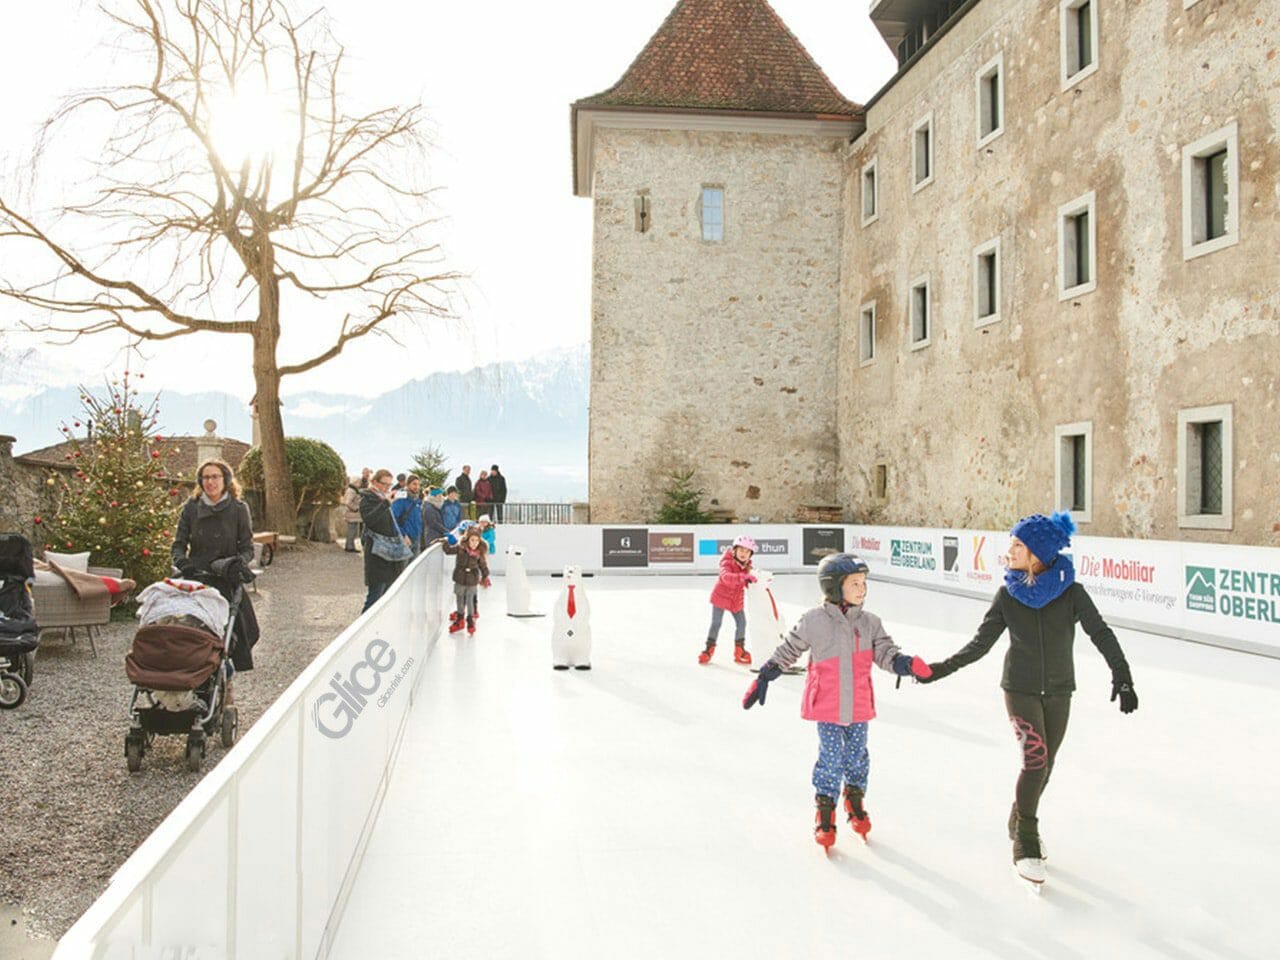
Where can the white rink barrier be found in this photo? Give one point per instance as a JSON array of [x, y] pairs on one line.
[[1213, 593], [258, 860]]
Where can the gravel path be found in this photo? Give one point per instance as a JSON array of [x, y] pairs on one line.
[[73, 813]]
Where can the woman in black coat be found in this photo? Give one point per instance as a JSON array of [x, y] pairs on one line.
[[375, 513], [214, 542], [1040, 605]]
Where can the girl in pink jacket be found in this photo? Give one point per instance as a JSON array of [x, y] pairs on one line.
[[727, 594], [843, 641]]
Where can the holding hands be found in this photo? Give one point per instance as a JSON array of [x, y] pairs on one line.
[[905, 666]]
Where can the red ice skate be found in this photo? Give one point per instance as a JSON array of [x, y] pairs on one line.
[[859, 819], [471, 626], [457, 625], [825, 830], [740, 654], [706, 655]]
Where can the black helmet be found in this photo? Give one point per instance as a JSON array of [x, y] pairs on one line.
[[834, 568]]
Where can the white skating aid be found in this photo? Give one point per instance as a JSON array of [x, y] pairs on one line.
[[571, 625], [765, 628], [517, 584]]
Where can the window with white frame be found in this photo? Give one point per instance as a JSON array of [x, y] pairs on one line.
[[711, 210], [990, 90], [919, 312], [1078, 30], [986, 283], [867, 333], [870, 192], [1077, 247], [922, 153], [1205, 467], [1210, 192], [1073, 468]]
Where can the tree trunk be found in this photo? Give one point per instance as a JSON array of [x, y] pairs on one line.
[[280, 510]]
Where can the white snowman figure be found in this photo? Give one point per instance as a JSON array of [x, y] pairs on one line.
[[764, 620], [517, 584], [571, 625]]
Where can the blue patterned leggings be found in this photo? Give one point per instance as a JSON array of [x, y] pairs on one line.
[[842, 756]]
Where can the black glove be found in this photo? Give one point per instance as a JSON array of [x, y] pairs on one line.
[[224, 567], [943, 668], [186, 566], [1122, 687], [769, 672]]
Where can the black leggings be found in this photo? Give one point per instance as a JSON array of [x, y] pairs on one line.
[[1039, 723]]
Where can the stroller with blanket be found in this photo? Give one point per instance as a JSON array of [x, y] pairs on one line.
[[19, 635], [180, 662]]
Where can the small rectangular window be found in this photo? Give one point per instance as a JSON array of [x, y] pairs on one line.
[[990, 92], [880, 482], [642, 212], [1078, 27], [712, 213], [870, 194], [986, 283], [1078, 260], [1204, 467], [920, 319], [1074, 470], [922, 153], [1210, 220], [867, 333]]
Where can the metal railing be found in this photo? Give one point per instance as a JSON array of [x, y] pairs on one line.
[[529, 512]]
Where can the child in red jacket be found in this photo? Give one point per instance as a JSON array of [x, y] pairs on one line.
[[735, 574]]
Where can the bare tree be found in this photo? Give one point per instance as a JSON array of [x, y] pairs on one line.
[[193, 227]]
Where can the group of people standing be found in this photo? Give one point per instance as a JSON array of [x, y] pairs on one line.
[[398, 508], [488, 494]]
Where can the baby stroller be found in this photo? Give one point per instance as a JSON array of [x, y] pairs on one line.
[[19, 635], [180, 667]]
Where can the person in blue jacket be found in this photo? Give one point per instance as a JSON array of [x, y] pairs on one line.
[[407, 509], [451, 509]]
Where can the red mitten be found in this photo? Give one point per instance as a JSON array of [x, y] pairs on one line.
[[485, 583], [920, 669]]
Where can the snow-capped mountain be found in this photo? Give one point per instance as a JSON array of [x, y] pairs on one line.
[[530, 417]]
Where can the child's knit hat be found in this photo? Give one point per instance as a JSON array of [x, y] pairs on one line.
[[1045, 536]]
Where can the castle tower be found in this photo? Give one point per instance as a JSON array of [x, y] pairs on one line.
[[715, 169]]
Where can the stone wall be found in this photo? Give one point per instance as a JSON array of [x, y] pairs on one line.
[[23, 495], [715, 356], [966, 424]]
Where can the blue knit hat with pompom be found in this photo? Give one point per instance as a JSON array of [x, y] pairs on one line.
[[1045, 536]]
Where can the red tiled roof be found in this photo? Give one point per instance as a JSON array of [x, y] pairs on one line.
[[181, 466], [725, 55]]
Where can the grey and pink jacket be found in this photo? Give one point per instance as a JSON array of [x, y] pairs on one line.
[[727, 593], [842, 647]]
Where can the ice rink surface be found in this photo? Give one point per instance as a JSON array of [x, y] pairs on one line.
[[637, 810]]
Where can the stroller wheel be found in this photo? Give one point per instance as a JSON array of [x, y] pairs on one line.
[[12, 691], [230, 726], [133, 752], [195, 752], [28, 666]]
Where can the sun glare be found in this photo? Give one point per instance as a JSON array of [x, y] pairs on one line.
[[250, 126]]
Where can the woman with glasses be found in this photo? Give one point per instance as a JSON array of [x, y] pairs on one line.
[[214, 537]]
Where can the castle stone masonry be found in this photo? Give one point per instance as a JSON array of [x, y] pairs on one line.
[[1036, 271]]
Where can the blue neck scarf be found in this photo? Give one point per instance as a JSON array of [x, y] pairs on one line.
[[1049, 585]]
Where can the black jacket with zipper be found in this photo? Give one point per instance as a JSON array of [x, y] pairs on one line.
[[1039, 660]]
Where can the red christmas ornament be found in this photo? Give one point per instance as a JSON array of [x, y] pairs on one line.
[[39, 519]]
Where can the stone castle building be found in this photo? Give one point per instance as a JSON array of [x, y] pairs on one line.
[[1036, 270]]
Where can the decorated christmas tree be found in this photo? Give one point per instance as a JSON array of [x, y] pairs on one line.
[[117, 502]]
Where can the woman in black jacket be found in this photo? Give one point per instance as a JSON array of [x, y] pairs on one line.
[[1039, 605], [375, 514], [214, 541]]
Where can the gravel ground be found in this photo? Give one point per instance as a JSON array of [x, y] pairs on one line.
[[73, 813]]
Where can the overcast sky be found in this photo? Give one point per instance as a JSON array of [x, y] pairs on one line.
[[496, 80]]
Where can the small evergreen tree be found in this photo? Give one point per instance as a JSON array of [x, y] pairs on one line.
[[117, 503], [681, 502], [428, 466]]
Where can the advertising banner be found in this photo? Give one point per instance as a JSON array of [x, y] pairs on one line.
[[624, 547], [670, 547], [818, 542], [764, 548]]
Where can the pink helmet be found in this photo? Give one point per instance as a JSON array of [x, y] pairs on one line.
[[745, 541]]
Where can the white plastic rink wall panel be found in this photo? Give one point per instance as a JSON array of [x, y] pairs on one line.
[[258, 859], [1158, 586]]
